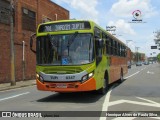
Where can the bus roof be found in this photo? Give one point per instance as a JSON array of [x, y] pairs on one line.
[[93, 24]]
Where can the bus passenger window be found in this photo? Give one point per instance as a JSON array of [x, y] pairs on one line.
[[118, 48], [121, 50], [98, 50], [107, 44], [112, 47]]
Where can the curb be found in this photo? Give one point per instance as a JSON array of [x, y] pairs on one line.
[[16, 86]]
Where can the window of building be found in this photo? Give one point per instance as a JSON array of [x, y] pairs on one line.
[[4, 12], [28, 20], [46, 19]]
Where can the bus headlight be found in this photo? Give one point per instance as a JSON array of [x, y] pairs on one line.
[[84, 78], [40, 78], [88, 76], [37, 76]]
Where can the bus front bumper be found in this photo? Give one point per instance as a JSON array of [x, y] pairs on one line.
[[88, 85]]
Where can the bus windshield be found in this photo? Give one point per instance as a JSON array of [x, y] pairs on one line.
[[70, 49]]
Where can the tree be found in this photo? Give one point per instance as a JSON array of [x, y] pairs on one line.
[[158, 57], [157, 38]]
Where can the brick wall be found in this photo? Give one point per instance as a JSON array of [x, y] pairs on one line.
[[4, 53], [42, 8]]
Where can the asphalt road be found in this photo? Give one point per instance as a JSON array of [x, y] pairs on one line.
[[140, 91]]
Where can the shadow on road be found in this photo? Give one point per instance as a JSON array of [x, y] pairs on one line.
[[79, 97]]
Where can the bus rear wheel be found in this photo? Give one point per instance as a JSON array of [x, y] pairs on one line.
[[121, 77]]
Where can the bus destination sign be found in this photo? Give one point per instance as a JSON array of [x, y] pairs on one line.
[[64, 26]]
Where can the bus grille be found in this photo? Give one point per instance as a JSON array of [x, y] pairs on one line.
[[62, 70]]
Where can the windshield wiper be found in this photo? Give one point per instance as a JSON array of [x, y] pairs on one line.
[[54, 43], [70, 41]]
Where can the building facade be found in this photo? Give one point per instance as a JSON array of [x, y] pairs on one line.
[[27, 14], [139, 57]]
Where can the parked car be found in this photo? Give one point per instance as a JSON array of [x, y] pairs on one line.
[[138, 64], [129, 64], [146, 63]]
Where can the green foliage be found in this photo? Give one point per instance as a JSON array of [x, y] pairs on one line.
[[158, 57], [157, 38]]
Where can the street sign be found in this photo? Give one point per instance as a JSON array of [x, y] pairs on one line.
[[153, 47]]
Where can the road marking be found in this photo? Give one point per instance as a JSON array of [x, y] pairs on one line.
[[158, 118], [150, 72], [132, 75], [106, 103], [14, 96], [148, 100], [134, 102], [143, 68], [124, 118]]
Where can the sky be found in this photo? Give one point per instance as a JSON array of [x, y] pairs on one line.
[[120, 13]]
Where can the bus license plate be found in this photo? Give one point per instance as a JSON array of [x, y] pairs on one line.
[[61, 85]]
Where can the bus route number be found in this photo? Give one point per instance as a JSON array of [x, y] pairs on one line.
[[48, 28], [73, 26]]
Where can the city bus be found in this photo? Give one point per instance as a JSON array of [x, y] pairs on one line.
[[77, 56]]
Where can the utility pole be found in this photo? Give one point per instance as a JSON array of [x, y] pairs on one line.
[[128, 56], [137, 53], [23, 60], [13, 82]]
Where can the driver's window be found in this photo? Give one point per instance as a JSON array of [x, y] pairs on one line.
[[98, 49]]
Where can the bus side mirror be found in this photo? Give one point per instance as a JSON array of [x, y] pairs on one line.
[[31, 43], [100, 43]]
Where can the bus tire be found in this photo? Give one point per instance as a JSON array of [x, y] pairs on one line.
[[121, 77], [104, 89]]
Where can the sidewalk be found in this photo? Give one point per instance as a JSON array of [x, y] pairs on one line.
[[7, 86]]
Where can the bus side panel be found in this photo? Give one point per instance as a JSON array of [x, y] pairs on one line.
[[100, 71], [114, 70], [116, 65]]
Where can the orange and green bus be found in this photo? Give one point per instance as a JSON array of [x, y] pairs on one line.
[[77, 55]]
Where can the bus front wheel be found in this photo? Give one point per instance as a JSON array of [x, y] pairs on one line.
[[104, 89]]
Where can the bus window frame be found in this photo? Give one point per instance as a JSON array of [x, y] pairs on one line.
[[98, 52]]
